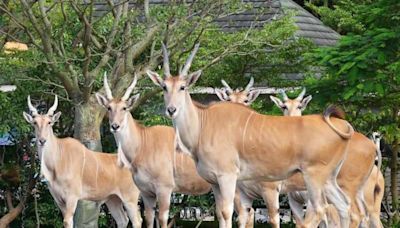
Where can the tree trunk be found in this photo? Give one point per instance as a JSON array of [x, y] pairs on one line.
[[11, 215], [87, 123]]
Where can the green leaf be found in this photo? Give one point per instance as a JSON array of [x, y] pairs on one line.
[[381, 58], [380, 90], [346, 67], [349, 93]]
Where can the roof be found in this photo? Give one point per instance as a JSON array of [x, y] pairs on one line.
[[310, 26], [262, 12]]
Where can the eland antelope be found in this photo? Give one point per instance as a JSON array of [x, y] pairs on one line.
[[231, 142], [375, 188], [74, 172], [252, 189], [352, 187], [158, 170], [356, 170]]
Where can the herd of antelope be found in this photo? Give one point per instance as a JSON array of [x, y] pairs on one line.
[[227, 148]]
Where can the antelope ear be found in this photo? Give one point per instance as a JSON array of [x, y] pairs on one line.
[[102, 100], [193, 77], [252, 96], [55, 117], [221, 94], [132, 100], [27, 117], [155, 77], [305, 102], [277, 102]]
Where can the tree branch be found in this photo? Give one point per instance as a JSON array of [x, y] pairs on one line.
[[143, 44], [21, 25], [46, 42], [9, 200], [104, 60], [144, 97], [146, 4], [15, 211]]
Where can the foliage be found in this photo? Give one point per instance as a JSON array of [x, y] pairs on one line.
[[63, 59], [362, 72], [342, 17], [365, 65]]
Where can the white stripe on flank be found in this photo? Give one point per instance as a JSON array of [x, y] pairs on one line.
[[83, 167], [97, 169], [245, 130]]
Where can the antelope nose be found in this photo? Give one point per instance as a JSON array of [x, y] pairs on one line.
[[114, 126], [171, 110], [42, 141]]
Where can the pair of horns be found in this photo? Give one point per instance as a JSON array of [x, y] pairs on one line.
[[127, 92], [185, 70], [50, 112], [299, 98], [230, 90]]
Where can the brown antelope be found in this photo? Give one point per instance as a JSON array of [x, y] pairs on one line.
[[355, 172], [158, 170], [294, 107], [245, 96], [374, 188], [231, 142], [76, 173], [252, 189]]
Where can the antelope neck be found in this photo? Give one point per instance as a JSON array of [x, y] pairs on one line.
[[188, 123]]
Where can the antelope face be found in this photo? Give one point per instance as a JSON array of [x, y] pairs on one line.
[[175, 91], [118, 108], [43, 124], [292, 107], [241, 97], [117, 111], [175, 87], [245, 96]]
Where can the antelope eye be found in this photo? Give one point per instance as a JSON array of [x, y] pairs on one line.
[[246, 101], [164, 87], [34, 122], [124, 108], [182, 88], [49, 123], [109, 109]]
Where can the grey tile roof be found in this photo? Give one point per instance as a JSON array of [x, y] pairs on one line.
[[262, 12], [310, 26]]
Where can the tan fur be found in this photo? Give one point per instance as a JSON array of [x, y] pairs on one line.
[[373, 192], [356, 167], [76, 173], [250, 189], [251, 146], [158, 170], [356, 154]]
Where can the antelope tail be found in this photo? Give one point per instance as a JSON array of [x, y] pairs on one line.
[[377, 140], [338, 113]]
